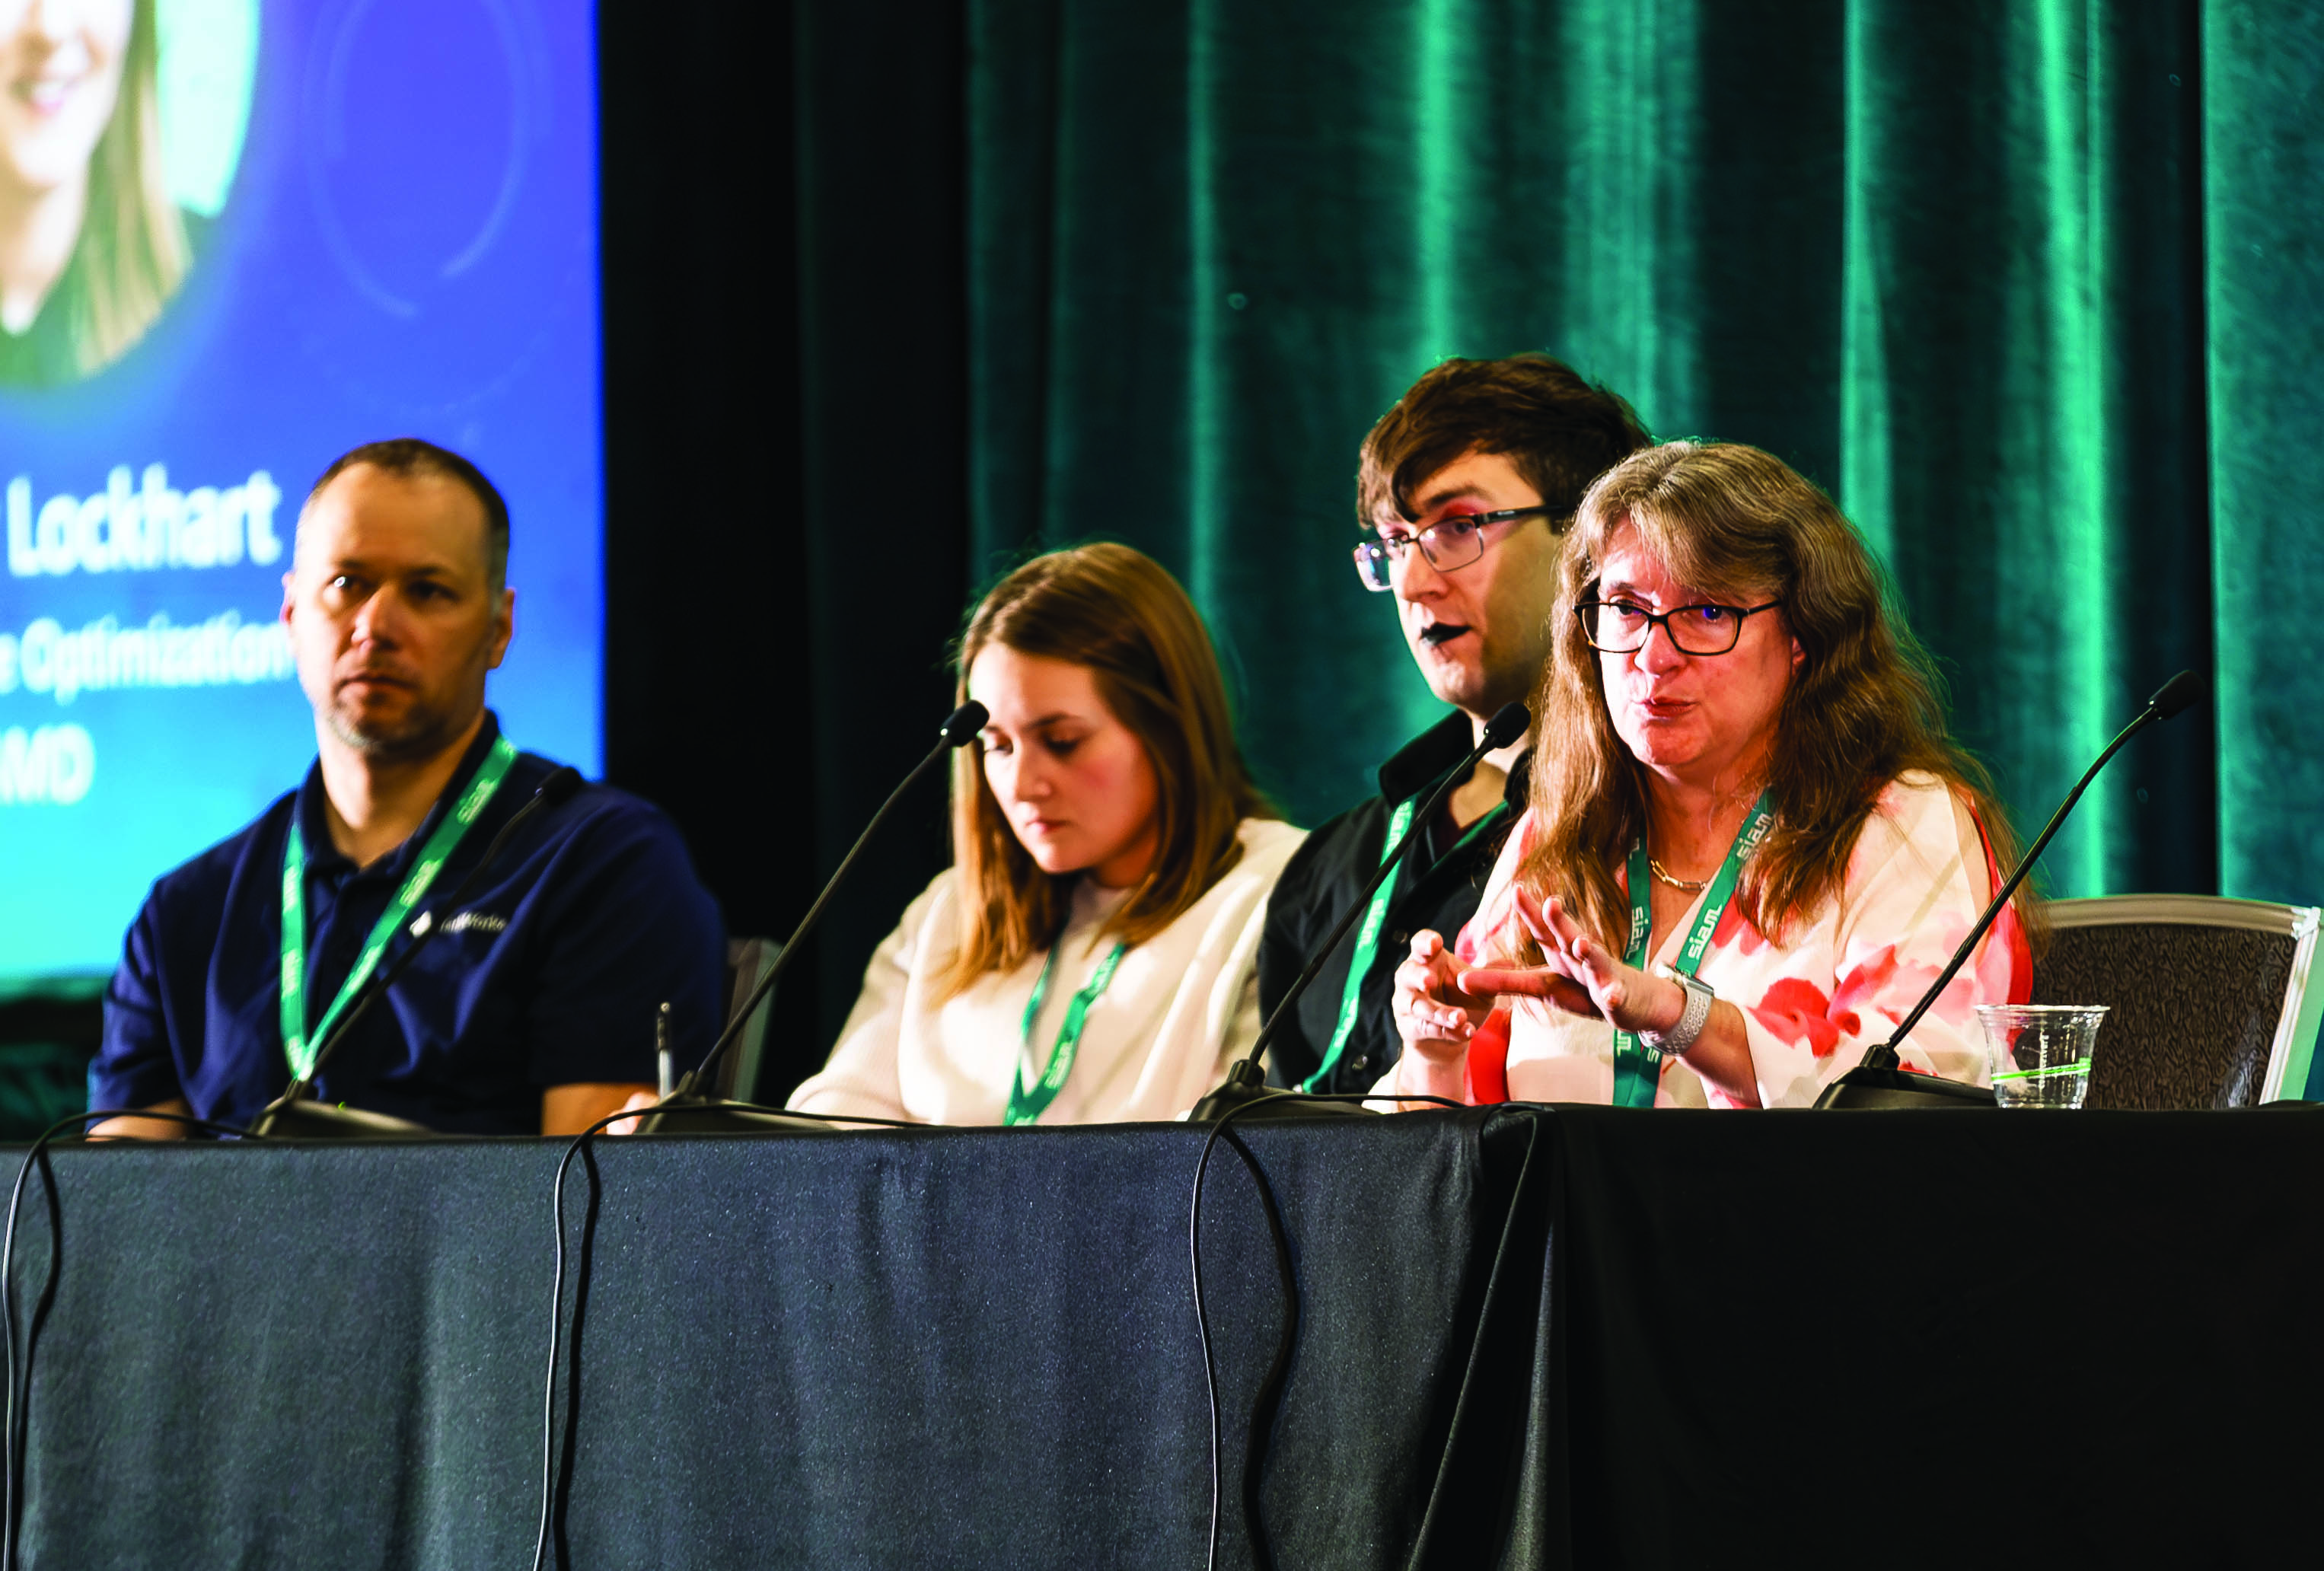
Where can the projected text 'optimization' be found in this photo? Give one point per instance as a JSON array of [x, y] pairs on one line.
[[133, 525]]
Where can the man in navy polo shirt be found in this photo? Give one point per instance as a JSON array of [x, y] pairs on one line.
[[532, 1009]]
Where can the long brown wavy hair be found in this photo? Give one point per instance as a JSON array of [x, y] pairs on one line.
[[1864, 706], [1119, 612], [132, 253]]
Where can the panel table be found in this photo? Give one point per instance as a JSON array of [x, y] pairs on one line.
[[1581, 1336]]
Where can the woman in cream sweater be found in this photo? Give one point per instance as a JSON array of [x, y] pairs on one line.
[[1089, 957]]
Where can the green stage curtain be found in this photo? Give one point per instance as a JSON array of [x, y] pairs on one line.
[[2263, 299], [2031, 287]]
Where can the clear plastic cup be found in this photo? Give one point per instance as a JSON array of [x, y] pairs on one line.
[[2040, 1053]]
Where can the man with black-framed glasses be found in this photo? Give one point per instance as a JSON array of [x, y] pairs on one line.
[[1465, 492]]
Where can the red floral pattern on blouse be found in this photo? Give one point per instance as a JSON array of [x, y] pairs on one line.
[[1841, 979], [1796, 1010]]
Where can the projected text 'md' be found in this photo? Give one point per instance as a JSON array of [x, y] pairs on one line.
[[133, 525]]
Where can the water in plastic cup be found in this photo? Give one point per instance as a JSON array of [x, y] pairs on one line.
[[2040, 1052]]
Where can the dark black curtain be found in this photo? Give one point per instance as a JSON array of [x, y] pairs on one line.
[[785, 330]]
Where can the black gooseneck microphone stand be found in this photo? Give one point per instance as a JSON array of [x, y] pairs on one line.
[[1877, 1082], [692, 1108], [1246, 1082], [296, 1115]]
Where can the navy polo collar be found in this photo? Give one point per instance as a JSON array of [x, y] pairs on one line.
[[325, 859]]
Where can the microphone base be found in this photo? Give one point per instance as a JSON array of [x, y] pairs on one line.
[[711, 1117], [305, 1118], [1867, 1090], [1246, 1088]]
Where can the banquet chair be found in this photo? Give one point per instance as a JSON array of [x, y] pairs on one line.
[[2208, 1000], [736, 1077]]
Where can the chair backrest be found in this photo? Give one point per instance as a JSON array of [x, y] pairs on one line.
[[747, 959], [2209, 1000]]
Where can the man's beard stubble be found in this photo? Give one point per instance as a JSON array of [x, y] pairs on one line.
[[421, 731]]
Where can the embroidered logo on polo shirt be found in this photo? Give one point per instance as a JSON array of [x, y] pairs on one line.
[[477, 921]]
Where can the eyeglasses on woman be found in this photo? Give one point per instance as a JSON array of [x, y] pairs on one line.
[[1621, 627]]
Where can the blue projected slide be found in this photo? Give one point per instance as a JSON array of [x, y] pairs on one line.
[[235, 240]]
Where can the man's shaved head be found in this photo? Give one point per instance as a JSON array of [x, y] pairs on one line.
[[412, 458]]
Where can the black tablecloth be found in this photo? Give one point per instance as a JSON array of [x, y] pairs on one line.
[[1579, 1337]]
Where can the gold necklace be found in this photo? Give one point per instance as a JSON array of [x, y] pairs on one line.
[[1684, 886]]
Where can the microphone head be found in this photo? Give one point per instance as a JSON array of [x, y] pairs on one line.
[[2182, 692], [560, 785], [1507, 724], [961, 726]]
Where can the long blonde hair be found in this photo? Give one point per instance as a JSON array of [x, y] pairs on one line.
[[1121, 614], [133, 252], [1864, 706]]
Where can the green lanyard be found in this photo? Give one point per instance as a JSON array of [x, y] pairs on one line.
[[1637, 1070], [1024, 1106], [1360, 964], [299, 1044]]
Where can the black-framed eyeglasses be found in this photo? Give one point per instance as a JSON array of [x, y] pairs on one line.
[[1449, 543], [1620, 627]]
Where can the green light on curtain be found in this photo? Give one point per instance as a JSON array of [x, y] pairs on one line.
[[1631, 122], [2069, 90], [1437, 153], [1972, 396], [1864, 478], [1208, 415], [1441, 38]]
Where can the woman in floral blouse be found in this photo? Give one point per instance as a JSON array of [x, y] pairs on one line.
[[1734, 725]]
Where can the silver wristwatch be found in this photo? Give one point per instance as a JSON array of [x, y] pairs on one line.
[[1680, 1037]]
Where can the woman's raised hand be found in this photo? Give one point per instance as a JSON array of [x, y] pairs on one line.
[[1433, 1016], [1578, 974]]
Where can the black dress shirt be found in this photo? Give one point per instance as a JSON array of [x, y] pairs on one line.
[[1437, 887]]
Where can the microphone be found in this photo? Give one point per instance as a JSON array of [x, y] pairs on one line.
[[1876, 1081], [1246, 1082], [297, 1116], [692, 1108]]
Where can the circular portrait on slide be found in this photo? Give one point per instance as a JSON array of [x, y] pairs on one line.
[[121, 121]]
